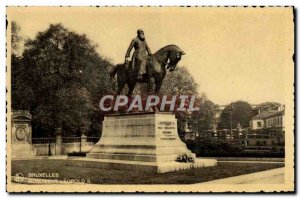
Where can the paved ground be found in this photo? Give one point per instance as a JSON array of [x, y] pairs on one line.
[[256, 159], [274, 176], [253, 162]]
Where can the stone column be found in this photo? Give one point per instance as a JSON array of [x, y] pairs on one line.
[[215, 132], [58, 149], [83, 139], [21, 144], [239, 129]]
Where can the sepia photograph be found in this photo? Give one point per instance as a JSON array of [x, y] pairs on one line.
[[150, 99]]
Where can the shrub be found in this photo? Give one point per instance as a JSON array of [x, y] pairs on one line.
[[211, 148]]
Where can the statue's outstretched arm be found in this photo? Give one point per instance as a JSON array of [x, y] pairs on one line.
[[129, 48]]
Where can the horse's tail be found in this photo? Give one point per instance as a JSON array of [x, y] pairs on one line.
[[112, 75], [114, 71]]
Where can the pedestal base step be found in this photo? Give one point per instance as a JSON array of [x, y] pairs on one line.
[[139, 166], [134, 157]]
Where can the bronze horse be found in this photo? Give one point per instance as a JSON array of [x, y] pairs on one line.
[[157, 64]]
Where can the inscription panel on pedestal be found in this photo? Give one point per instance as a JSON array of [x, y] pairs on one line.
[[167, 130]]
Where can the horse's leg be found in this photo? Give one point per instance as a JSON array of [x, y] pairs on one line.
[[151, 91], [131, 86], [157, 86], [151, 85], [130, 91], [121, 85]]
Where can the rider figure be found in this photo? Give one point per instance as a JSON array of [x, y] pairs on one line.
[[140, 55]]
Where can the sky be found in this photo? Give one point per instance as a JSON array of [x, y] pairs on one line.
[[232, 53]]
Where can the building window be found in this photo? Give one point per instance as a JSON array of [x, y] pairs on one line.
[[258, 124], [272, 122]]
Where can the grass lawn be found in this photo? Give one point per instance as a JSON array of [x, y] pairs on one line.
[[98, 176]]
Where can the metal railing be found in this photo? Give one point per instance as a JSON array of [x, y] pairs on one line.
[[47, 140], [50, 142], [43, 140]]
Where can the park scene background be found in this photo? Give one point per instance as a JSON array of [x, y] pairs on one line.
[[60, 77], [59, 74]]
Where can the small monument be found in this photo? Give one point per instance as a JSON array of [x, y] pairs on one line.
[[21, 134]]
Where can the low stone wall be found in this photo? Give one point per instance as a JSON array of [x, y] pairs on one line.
[[42, 149], [22, 150], [62, 149]]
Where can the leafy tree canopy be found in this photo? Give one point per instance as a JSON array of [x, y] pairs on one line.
[[204, 118], [240, 112], [59, 78], [16, 38]]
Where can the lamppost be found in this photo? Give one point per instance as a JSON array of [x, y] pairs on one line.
[[49, 144], [230, 117], [231, 125], [80, 144]]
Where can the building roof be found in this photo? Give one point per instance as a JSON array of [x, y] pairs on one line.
[[265, 115], [279, 113]]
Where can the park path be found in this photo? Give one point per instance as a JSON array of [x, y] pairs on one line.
[[274, 176]]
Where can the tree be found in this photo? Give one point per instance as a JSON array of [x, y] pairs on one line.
[[22, 94], [66, 76], [181, 82], [240, 112], [204, 118], [15, 37]]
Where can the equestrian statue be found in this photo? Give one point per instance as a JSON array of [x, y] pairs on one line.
[[145, 67]]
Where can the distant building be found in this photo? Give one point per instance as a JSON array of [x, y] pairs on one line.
[[275, 122], [259, 121], [271, 121], [267, 128]]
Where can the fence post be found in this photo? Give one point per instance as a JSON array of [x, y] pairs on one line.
[[49, 144], [58, 132], [83, 137]]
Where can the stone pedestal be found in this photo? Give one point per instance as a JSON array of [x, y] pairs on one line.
[[59, 141], [21, 134], [146, 142]]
